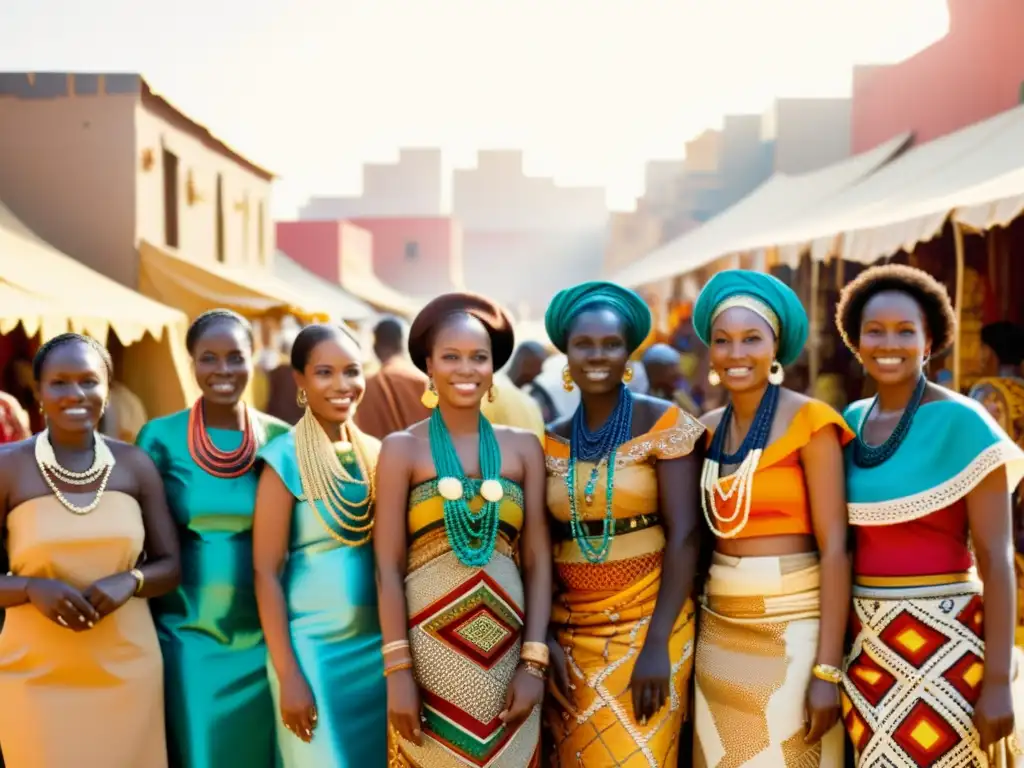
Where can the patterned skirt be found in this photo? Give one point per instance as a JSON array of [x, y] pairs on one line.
[[465, 632], [914, 674], [756, 647]]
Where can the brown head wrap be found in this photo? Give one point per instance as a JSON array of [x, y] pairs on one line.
[[494, 318]]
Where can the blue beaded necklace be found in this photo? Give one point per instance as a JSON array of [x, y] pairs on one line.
[[472, 535], [598, 447], [867, 456], [757, 435]]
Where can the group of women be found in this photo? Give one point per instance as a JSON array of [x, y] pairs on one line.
[[465, 595]]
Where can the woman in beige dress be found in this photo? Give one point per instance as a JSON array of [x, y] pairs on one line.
[[88, 533]]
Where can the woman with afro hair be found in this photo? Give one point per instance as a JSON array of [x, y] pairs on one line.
[[929, 679]]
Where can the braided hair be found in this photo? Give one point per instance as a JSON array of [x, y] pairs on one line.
[[210, 318], [63, 340]]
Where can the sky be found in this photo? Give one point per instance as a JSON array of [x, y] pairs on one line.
[[590, 89]]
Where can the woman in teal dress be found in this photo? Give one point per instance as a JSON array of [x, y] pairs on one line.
[[217, 696], [314, 563]]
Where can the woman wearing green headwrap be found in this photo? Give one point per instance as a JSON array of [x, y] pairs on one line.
[[622, 489], [777, 594]]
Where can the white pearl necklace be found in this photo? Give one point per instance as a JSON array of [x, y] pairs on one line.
[[712, 487], [51, 470]]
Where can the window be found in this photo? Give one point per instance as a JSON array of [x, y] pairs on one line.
[[412, 250], [261, 240], [170, 165], [219, 213]]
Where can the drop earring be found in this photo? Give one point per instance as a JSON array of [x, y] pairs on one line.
[[492, 394], [429, 398], [567, 384], [301, 399], [627, 375], [713, 378], [775, 374]]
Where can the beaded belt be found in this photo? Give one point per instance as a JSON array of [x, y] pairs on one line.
[[510, 531], [563, 531]]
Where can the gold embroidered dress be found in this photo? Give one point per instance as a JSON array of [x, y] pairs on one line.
[[465, 632], [601, 611]]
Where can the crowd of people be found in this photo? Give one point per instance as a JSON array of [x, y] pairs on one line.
[[482, 555]]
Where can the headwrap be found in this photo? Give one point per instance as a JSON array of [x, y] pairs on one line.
[[770, 298], [1006, 340], [598, 294], [494, 318]]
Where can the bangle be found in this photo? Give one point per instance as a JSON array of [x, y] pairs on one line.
[[397, 667], [535, 652], [535, 669], [139, 577], [828, 673], [397, 645]]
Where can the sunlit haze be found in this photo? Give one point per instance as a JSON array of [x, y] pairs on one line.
[[590, 89]]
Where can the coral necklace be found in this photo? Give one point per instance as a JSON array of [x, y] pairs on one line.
[[209, 457]]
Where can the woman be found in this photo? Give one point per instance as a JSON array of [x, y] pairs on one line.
[[929, 477], [314, 565], [87, 530], [217, 696], [777, 594], [622, 489], [460, 506]]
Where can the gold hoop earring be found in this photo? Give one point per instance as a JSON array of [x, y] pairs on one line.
[[567, 384], [713, 378], [301, 399], [627, 375], [429, 398]]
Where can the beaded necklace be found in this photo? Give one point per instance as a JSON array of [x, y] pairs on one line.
[[324, 478], [52, 470], [748, 456], [867, 456], [472, 535], [209, 457], [599, 447]]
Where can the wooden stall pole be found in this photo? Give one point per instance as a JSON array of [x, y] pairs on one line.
[[814, 358], [958, 241]]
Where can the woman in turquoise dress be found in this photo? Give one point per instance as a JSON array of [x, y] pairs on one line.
[[217, 696], [314, 565]]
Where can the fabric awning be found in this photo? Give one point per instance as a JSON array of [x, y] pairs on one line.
[[195, 287], [782, 198], [974, 174], [344, 306], [47, 293]]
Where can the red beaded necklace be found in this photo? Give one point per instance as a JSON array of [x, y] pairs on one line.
[[210, 458]]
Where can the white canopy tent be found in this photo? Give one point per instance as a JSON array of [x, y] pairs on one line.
[[781, 199]]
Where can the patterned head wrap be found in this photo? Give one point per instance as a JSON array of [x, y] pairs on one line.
[[494, 318], [770, 298], [572, 302]]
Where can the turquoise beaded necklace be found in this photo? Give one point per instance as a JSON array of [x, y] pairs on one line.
[[598, 447], [472, 535]]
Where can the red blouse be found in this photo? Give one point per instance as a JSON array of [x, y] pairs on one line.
[[931, 545]]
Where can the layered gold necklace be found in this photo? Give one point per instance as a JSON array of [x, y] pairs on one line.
[[324, 477], [52, 470]]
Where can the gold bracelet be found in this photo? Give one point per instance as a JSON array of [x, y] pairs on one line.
[[397, 645], [535, 670], [536, 652], [828, 673], [398, 667], [140, 579]]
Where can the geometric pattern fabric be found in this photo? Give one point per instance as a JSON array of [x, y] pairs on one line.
[[912, 679]]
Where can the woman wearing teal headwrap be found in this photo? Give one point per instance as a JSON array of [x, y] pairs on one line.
[[622, 489], [932, 676], [777, 595]]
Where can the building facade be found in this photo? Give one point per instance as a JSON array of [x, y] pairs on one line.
[[974, 72], [412, 186], [417, 256], [97, 163]]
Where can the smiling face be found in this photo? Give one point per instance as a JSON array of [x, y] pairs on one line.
[[333, 379], [894, 338], [72, 388], [743, 348], [222, 358], [460, 361], [597, 351]]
